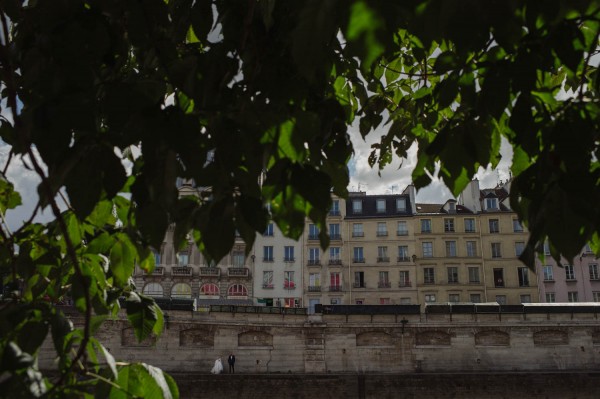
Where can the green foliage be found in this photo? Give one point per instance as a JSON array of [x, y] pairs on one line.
[[252, 102]]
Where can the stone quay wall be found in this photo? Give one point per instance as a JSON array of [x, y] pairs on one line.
[[361, 344]]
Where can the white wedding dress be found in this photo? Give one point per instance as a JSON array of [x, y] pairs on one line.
[[218, 367]]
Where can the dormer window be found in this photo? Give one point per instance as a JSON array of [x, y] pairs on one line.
[[357, 206], [401, 204], [491, 203], [380, 206], [451, 207]]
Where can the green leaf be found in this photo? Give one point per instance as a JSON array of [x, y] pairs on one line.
[[9, 199], [446, 61], [141, 380], [122, 259], [145, 316]]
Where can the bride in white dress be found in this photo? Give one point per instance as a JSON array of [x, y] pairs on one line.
[[218, 367]]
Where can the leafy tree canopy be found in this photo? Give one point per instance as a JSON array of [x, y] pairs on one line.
[[223, 91]]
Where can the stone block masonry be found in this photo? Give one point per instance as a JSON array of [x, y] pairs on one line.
[[323, 344]]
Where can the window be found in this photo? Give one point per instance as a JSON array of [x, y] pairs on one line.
[[573, 296], [569, 272], [209, 289], [454, 298], [313, 232], [380, 206], [451, 249], [587, 249], [181, 290], [238, 259], [496, 250], [382, 254], [268, 279], [335, 208], [268, 253], [596, 296], [427, 249], [523, 274], [405, 301], [429, 298], [517, 227], [269, 231], [449, 225], [335, 282], [525, 298], [469, 225], [359, 301], [402, 228], [313, 256], [429, 275], [357, 206], [183, 258], [519, 247], [401, 204], [359, 280], [384, 301], [471, 249], [334, 231], [403, 253], [501, 299], [404, 278], [475, 298], [237, 290], [474, 274], [288, 253], [452, 275], [593, 271], [425, 225], [288, 280], [546, 248], [491, 203], [381, 229], [153, 289], [548, 273], [358, 255], [550, 297], [314, 282], [384, 280], [335, 254], [157, 259], [494, 225], [357, 230], [498, 277], [335, 301]]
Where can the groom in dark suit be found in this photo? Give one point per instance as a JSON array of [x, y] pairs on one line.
[[231, 361]]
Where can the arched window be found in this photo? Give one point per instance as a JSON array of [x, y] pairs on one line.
[[181, 290], [153, 289], [237, 290], [209, 289]]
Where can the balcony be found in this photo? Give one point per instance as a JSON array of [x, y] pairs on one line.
[[358, 234], [404, 284], [402, 232], [384, 284], [335, 288], [382, 234], [314, 288], [403, 259], [335, 237], [382, 259], [314, 262], [210, 272], [158, 271], [313, 237], [238, 272], [268, 286], [335, 212], [358, 260], [181, 271], [289, 259], [268, 259], [335, 262], [358, 285]]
